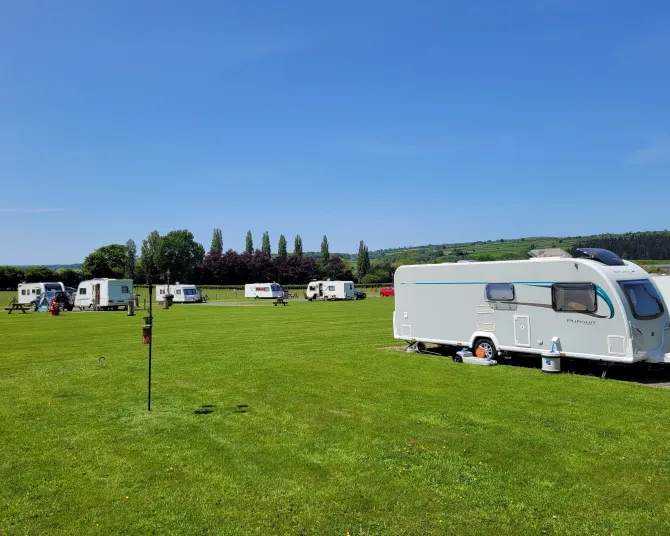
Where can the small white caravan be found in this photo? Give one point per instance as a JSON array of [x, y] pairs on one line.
[[29, 291], [263, 290], [104, 293], [181, 293], [330, 290], [600, 307]]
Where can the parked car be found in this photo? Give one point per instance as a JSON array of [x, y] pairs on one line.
[[387, 291], [65, 299], [360, 295]]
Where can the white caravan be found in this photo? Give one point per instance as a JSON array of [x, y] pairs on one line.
[[263, 290], [181, 293], [104, 293], [599, 307], [29, 291], [330, 290]]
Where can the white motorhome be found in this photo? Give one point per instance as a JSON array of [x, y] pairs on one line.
[[263, 290], [104, 293], [180, 293], [330, 290], [599, 307], [29, 291]]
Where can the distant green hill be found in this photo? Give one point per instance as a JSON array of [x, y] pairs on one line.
[[647, 245]]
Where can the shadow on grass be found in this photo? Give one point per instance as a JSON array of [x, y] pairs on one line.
[[205, 409], [642, 373]]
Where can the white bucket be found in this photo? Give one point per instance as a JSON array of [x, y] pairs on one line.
[[551, 364]]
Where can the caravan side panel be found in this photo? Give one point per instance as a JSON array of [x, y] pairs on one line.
[[118, 292], [449, 304]]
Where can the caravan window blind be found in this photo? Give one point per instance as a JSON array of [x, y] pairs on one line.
[[574, 297]]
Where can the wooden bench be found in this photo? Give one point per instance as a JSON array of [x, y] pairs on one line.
[[281, 301], [14, 305]]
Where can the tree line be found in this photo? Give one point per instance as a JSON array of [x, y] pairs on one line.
[[178, 253], [649, 245], [178, 257]]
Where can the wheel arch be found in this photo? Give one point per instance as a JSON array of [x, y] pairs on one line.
[[484, 335]]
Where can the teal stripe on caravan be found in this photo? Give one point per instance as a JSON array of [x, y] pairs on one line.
[[478, 283], [599, 290]]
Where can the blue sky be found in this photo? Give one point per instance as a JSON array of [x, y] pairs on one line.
[[396, 122]]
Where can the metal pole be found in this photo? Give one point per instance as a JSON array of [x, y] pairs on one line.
[[150, 343]]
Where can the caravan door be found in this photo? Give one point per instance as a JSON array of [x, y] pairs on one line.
[[96, 294], [522, 331], [320, 290]]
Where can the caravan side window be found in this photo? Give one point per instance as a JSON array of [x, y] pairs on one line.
[[574, 297], [124, 290], [500, 292], [82, 291], [331, 288], [23, 292], [178, 291]]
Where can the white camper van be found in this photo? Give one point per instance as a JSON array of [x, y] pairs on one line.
[[104, 293], [599, 307], [180, 293], [330, 290], [29, 291], [263, 290]]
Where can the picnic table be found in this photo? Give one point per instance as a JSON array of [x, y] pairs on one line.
[[281, 301], [14, 305]]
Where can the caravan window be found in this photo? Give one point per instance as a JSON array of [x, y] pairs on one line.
[[82, 291], [178, 291], [189, 292], [331, 288], [312, 287], [23, 292], [124, 290], [644, 301], [500, 292], [574, 297]]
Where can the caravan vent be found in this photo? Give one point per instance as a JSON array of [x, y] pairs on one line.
[[485, 310], [486, 326], [549, 253], [602, 255]]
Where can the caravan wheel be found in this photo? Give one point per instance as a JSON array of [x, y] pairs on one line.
[[486, 347]]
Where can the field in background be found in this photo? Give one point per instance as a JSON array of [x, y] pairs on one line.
[[295, 420]]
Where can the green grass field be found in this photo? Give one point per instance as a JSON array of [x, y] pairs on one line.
[[340, 436]]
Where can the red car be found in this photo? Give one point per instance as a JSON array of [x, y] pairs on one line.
[[387, 291]]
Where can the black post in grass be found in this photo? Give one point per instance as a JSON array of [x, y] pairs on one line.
[[148, 322]]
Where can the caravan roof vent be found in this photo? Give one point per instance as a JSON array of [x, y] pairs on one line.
[[549, 253], [602, 255]]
